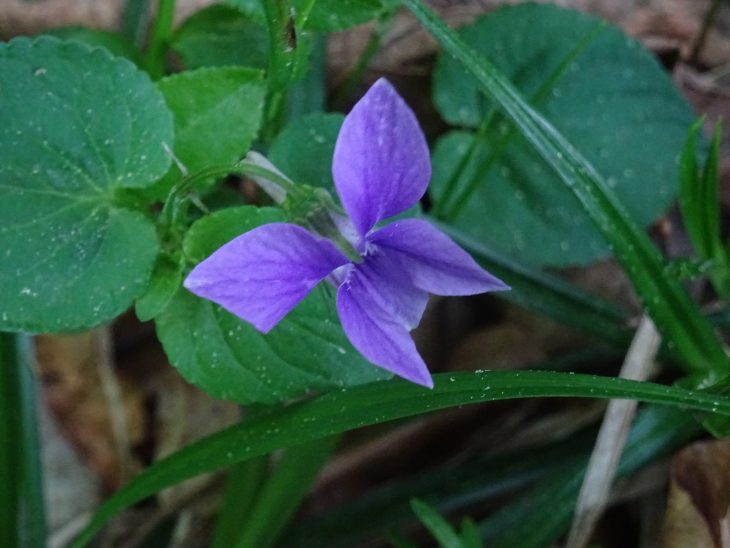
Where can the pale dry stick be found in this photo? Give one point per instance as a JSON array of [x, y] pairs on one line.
[[104, 351], [595, 491]]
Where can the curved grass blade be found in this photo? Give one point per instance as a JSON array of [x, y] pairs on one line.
[[22, 519], [544, 513], [674, 314], [376, 403]]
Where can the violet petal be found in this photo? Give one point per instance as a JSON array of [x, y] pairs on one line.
[[379, 336], [262, 274], [381, 164], [433, 261], [382, 280]]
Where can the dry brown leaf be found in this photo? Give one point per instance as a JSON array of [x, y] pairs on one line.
[[698, 513], [69, 369]]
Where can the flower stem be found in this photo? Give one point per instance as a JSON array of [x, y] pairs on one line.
[[154, 61], [282, 33]]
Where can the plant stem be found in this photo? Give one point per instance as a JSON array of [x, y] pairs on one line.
[[161, 31], [282, 33]]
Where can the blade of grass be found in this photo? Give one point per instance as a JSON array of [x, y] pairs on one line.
[[154, 59], [243, 484], [375, 403], [283, 492], [436, 524], [699, 201], [543, 514], [501, 142], [451, 489], [674, 314], [22, 517]]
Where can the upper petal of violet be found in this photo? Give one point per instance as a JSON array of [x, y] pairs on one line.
[[432, 260], [381, 164], [262, 274]]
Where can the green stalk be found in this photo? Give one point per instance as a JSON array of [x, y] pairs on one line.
[[154, 60], [22, 517], [282, 33]]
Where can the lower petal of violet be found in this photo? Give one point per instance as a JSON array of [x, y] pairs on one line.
[[376, 333], [381, 280], [262, 274], [432, 260]]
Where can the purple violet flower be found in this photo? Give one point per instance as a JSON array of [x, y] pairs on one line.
[[381, 167]]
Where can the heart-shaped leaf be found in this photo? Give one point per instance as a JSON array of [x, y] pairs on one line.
[[612, 99], [77, 128]]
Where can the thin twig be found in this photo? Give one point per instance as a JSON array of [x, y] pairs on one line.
[[609, 445], [708, 21]]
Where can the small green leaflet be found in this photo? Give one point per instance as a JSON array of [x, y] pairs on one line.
[[217, 116]]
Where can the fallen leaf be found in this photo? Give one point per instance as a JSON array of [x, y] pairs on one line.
[[698, 512]]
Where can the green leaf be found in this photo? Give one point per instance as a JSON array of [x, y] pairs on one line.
[[343, 410], [436, 524], [217, 116], [614, 100], [221, 35], [303, 150], [22, 514], [116, 43], [167, 277], [230, 359], [674, 314], [73, 256], [322, 15]]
